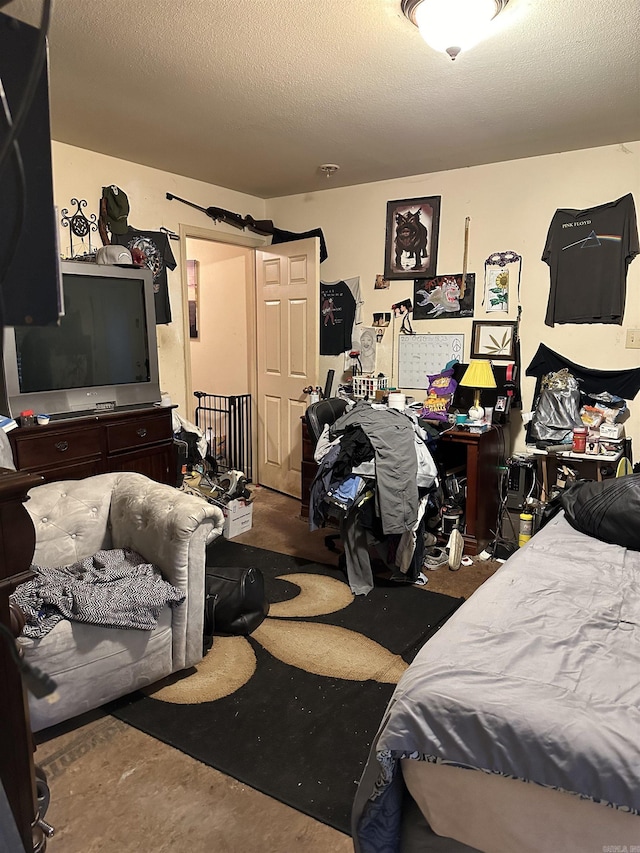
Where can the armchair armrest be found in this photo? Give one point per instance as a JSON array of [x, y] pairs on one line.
[[171, 529]]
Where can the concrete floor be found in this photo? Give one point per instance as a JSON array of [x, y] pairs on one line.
[[116, 789]]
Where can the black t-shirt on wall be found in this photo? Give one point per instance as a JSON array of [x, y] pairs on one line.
[[339, 302], [589, 252], [155, 245]]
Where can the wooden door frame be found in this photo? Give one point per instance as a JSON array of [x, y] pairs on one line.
[[210, 235]]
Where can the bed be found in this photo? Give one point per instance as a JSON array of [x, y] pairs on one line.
[[517, 726]]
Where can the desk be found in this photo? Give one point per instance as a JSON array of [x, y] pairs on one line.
[[479, 455]]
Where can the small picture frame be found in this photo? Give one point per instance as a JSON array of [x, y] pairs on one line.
[[411, 246], [193, 287], [494, 340]]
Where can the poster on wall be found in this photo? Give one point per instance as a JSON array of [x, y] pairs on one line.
[[411, 246], [496, 294], [364, 342], [444, 296], [496, 280]]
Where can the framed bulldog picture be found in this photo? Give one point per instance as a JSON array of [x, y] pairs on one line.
[[411, 246]]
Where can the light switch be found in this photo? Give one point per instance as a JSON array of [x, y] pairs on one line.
[[633, 339]]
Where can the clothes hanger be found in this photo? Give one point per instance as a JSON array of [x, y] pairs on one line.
[[170, 234]]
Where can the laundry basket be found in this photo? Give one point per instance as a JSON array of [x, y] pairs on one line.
[[365, 387]]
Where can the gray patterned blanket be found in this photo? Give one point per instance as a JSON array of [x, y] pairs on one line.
[[114, 588]]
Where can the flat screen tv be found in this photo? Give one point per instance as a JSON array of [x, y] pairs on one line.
[[101, 355]]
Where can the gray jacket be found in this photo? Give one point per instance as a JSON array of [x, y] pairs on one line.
[[391, 434]]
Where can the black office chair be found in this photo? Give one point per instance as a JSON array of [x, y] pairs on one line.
[[324, 412], [317, 416]]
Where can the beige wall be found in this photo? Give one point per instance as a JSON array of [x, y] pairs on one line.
[[81, 174], [510, 206], [219, 363]]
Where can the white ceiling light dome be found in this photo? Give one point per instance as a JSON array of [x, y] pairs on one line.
[[452, 25]]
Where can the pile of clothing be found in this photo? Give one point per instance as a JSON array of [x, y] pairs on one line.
[[376, 474]]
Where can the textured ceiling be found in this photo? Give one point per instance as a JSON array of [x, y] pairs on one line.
[[255, 94]]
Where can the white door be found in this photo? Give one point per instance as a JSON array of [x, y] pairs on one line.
[[288, 344]]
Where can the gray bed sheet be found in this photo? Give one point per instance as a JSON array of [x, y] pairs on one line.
[[535, 677]]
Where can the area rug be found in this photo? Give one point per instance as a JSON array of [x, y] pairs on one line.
[[293, 709]]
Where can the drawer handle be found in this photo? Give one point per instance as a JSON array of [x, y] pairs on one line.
[[62, 446], [141, 432]]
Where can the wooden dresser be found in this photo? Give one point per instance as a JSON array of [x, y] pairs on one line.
[[138, 440], [17, 771]]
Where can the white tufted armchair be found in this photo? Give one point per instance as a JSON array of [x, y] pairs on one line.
[[76, 518]]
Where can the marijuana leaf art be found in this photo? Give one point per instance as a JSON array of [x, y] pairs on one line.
[[499, 346]]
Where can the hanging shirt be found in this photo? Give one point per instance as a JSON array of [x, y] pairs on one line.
[[589, 252], [340, 303], [157, 251], [280, 236]]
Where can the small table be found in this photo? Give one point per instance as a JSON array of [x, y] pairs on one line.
[[591, 466]]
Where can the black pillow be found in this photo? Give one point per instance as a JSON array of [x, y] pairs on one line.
[[607, 510]]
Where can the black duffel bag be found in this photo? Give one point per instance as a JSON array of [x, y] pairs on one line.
[[235, 601], [607, 510]]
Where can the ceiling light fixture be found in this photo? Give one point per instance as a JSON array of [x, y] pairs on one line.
[[452, 25], [329, 169]]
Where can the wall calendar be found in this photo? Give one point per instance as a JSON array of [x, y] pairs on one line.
[[420, 356]]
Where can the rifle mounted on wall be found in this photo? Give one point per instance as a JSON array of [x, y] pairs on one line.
[[264, 227]]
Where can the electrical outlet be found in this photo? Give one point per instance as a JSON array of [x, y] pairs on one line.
[[633, 339]]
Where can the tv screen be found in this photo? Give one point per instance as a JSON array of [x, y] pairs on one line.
[[102, 338], [101, 354]]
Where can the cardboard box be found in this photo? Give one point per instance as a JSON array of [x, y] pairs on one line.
[[611, 430], [238, 518]]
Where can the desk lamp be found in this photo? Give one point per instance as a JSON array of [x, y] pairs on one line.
[[478, 375]]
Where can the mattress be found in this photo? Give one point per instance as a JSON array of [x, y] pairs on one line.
[[468, 810], [534, 678]]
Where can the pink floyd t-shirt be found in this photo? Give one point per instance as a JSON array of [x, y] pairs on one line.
[[589, 252]]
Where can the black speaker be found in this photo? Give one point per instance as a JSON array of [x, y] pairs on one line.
[[521, 478], [30, 286]]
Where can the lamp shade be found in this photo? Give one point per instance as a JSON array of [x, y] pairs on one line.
[[479, 374]]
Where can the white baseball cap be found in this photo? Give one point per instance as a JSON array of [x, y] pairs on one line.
[[114, 255]]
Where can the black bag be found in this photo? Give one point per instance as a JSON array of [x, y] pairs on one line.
[[235, 601]]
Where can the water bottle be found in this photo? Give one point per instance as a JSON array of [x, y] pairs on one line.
[[526, 528]]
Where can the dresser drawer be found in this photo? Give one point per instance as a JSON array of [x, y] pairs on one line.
[[138, 433], [50, 449]]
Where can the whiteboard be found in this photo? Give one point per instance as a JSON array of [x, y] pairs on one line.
[[420, 356]]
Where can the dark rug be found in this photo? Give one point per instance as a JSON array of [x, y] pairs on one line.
[[293, 709]]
